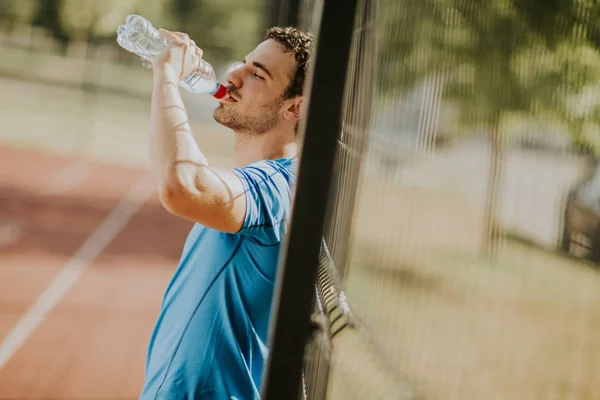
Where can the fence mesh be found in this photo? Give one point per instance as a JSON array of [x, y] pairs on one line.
[[461, 246]]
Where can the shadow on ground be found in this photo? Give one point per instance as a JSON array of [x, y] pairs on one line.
[[60, 224]]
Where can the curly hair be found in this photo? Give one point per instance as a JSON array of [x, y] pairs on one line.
[[299, 43]]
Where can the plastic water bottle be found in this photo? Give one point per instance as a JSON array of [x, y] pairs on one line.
[[140, 37]]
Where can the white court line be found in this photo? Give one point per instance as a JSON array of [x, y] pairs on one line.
[[95, 244]]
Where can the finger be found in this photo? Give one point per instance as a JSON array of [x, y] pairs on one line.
[[165, 33], [182, 36], [198, 51], [194, 57], [169, 36]]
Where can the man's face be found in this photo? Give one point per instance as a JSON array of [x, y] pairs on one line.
[[256, 88]]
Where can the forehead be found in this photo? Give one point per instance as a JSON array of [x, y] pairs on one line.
[[272, 54]]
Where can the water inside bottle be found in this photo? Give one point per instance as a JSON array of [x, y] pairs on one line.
[[140, 37], [196, 83]]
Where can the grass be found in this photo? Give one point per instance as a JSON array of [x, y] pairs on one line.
[[44, 66], [96, 125], [462, 326]]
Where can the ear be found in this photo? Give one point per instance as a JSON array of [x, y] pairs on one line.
[[293, 109]]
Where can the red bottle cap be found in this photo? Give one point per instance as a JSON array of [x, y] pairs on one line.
[[221, 92]]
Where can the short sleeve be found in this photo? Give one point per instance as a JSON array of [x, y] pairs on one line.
[[268, 187]]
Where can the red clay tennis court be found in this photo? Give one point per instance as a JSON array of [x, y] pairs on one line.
[[86, 252]]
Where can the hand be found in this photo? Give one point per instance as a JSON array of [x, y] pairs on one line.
[[182, 56]]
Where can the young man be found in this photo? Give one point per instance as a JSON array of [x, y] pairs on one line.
[[210, 341]]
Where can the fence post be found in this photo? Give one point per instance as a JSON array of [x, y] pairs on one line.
[[296, 275], [284, 13]]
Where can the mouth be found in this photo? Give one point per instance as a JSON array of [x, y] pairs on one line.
[[230, 98]]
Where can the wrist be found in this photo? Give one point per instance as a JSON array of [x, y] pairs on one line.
[[165, 71]]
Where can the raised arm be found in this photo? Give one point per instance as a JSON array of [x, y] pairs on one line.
[[187, 185]]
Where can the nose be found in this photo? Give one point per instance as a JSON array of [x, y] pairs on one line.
[[234, 76]]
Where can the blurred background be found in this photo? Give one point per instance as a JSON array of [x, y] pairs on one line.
[[462, 236], [64, 53], [86, 250], [463, 225]]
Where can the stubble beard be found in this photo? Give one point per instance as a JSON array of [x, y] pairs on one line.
[[258, 123]]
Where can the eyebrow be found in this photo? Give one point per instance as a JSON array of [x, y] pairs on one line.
[[262, 67]]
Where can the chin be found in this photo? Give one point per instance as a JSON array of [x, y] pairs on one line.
[[218, 113], [222, 117]]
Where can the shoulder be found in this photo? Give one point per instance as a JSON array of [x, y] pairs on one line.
[[280, 171], [285, 166], [268, 187]]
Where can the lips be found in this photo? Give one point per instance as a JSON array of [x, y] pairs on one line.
[[231, 96], [228, 99]]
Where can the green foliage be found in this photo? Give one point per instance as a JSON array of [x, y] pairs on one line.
[[18, 10], [225, 29], [90, 18], [499, 57], [47, 15]]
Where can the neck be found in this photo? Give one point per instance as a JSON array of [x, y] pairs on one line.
[[270, 145]]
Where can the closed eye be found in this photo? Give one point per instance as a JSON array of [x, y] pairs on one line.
[[262, 68]]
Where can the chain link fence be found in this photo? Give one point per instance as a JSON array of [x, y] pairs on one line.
[[461, 244]]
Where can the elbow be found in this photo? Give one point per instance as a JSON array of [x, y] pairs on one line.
[[180, 192], [172, 197], [179, 198]]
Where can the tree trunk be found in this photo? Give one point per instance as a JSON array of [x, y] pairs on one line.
[[47, 16], [491, 233]]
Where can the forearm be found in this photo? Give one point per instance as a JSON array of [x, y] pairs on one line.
[[174, 154]]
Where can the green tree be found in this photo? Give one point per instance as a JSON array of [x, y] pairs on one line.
[[86, 19], [502, 58], [224, 29], [184, 11]]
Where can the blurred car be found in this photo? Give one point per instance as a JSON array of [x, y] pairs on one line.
[[581, 232]]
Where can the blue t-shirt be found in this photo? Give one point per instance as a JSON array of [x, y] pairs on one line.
[[210, 340]]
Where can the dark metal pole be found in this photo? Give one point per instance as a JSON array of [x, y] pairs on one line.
[[284, 13], [299, 261], [274, 7]]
